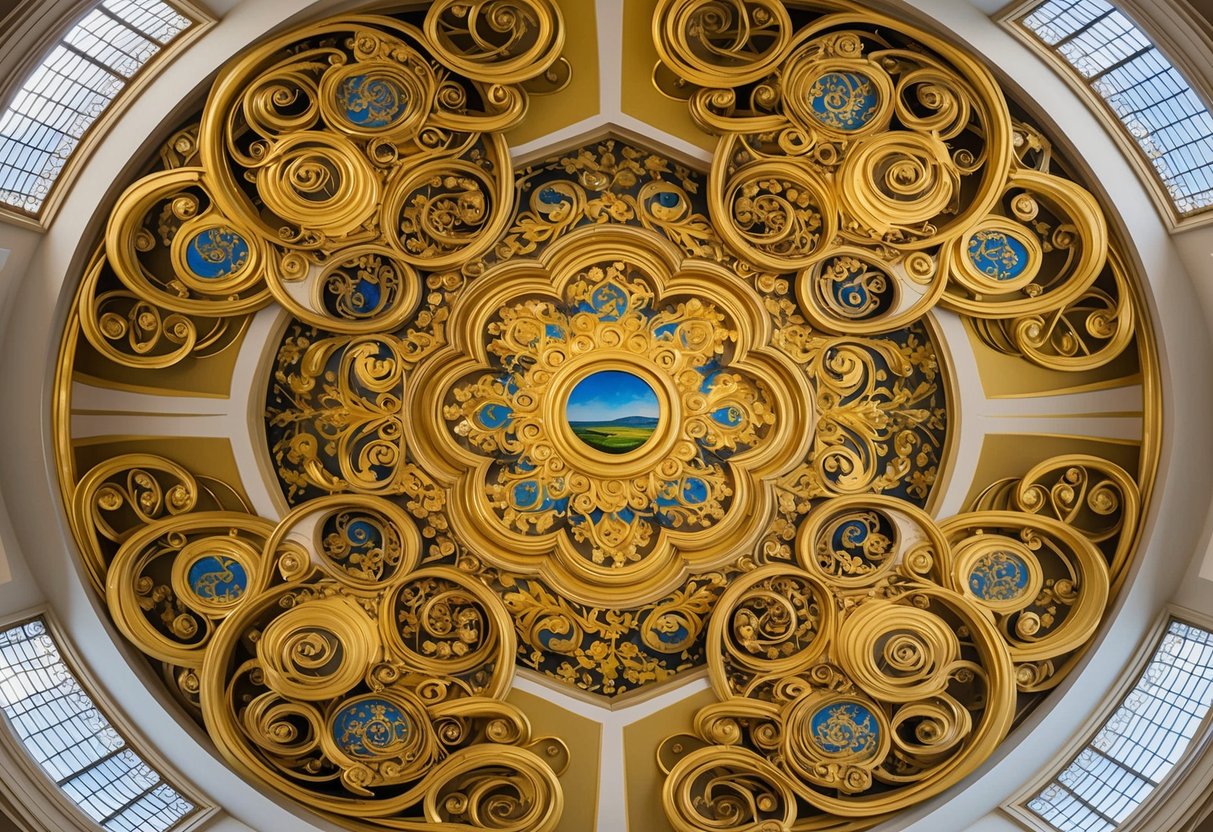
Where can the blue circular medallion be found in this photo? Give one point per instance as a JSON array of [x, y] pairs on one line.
[[613, 411], [372, 101], [998, 254], [845, 728], [216, 253], [217, 579], [999, 576], [843, 100], [372, 728]]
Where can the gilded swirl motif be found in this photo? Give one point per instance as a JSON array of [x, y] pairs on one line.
[[606, 417]]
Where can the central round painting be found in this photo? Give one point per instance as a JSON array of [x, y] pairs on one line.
[[613, 411]]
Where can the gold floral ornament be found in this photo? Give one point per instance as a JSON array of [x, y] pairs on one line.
[[330, 164], [878, 163], [530, 494], [881, 668], [325, 662]]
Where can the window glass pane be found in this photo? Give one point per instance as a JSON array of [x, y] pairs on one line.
[[76, 81], [1154, 103], [1140, 743], [76, 746]]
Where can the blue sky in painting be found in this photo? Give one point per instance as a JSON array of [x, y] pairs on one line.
[[611, 394]]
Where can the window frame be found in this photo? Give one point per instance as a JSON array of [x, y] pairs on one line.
[[67, 14], [30, 788], [1010, 18], [1172, 784]]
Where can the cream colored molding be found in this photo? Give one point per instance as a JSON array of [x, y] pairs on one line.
[[39, 27], [1170, 805], [1183, 38], [37, 802]]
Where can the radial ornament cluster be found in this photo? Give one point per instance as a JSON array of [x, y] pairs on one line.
[[603, 416]]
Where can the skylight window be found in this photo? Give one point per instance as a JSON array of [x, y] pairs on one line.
[[1151, 99], [77, 748], [76, 81], [1139, 744]]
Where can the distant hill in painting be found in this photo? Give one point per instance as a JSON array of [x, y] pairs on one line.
[[618, 436], [649, 422]]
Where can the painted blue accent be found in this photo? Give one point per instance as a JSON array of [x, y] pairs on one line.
[[668, 199], [855, 297], [608, 302], [216, 253], [551, 196], [366, 296], [372, 101], [494, 415], [729, 416], [998, 254], [554, 332], [216, 578], [677, 636], [694, 491], [843, 100], [526, 494], [372, 728], [669, 330], [999, 576], [845, 727]]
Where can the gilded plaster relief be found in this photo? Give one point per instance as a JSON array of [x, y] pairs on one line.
[[606, 417]]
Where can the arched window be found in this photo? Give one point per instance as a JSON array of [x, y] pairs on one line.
[[65, 733], [1156, 107], [77, 79], [1137, 746]]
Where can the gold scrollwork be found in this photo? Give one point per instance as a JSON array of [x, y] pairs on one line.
[[451, 518]]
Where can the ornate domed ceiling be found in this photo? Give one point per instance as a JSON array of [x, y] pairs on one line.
[[603, 420]]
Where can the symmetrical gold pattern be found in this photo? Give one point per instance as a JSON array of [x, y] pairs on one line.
[[448, 517]]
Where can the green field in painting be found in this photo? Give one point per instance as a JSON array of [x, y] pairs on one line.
[[613, 439]]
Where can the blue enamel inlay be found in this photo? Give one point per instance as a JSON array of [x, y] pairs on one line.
[[217, 579], [668, 199], [859, 292], [999, 576], [372, 101], [998, 254], [845, 728], [867, 536], [493, 416], [843, 100], [609, 302], [694, 491], [216, 253], [729, 416], [372, 728]]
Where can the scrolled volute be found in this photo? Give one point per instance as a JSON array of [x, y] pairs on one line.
[[121, 496], [1045, 583]]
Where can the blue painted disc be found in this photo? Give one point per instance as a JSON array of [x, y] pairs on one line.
[[843, 100], [372, 101], [372, 728], [998, 254], [216, 253], [999, 576], [845, 727], [217, 579]]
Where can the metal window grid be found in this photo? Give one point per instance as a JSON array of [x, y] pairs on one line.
[[77, 748], [1140, 743], [76, 81], [1148, 95]]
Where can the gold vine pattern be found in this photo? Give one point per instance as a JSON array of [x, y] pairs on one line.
[[449, 519]]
